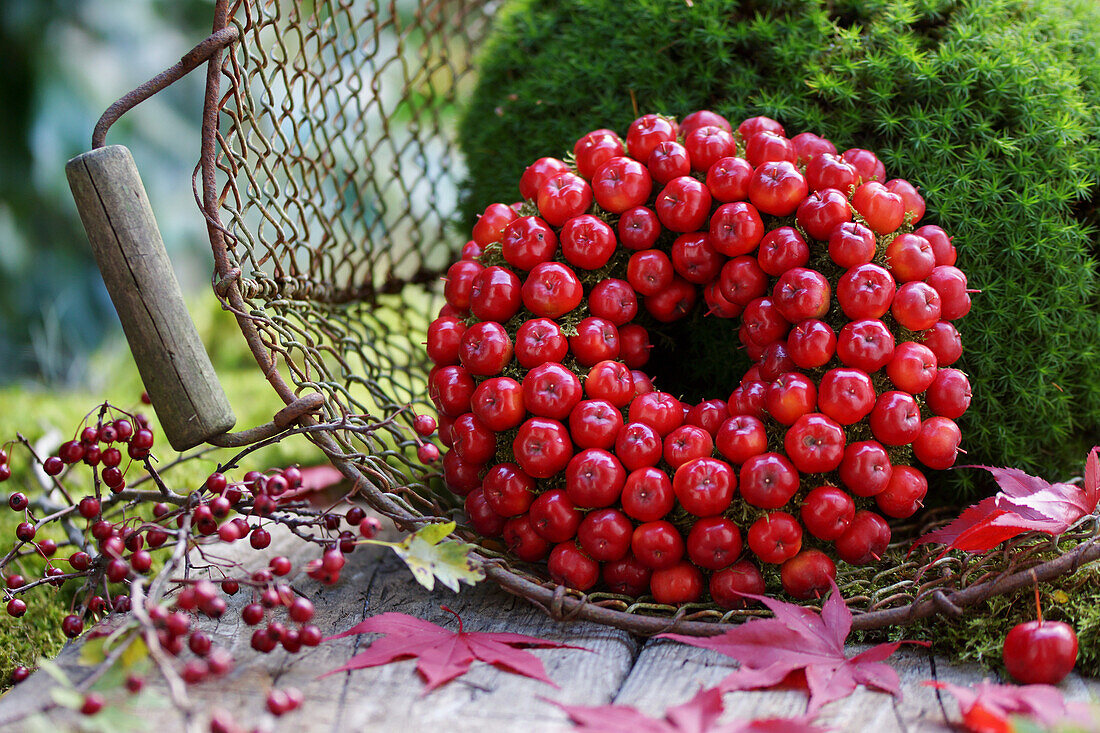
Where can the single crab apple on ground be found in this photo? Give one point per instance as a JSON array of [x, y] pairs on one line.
[[1040, 652], [561, 442]]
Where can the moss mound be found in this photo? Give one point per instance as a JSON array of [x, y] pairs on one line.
[[991, 107]]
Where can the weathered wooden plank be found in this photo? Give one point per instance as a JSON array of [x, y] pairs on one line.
[[651, 675], [667, 673], [176, 370], [916, 709], [485, 698], [1074, 687]]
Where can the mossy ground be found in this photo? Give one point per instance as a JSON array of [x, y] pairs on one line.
[[978, 636], [991, 108], [36, 412]]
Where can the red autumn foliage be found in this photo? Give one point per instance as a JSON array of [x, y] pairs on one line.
[[1025, 503], [700, 714], [802, 640], [988, 708], [443, 654]]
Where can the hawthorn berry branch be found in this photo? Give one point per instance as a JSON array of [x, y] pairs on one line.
[[181, 458], [176, 687], [109, 661], [179, 555], [153, 474], [52, 579], [53, 479]]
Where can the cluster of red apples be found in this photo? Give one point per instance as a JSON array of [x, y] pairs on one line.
[[559, 440]]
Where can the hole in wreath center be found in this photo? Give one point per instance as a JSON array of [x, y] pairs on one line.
[[698, 357]]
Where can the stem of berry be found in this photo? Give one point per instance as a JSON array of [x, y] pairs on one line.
[[176, 687], [1038, 607], [53, 479], [455, 614]]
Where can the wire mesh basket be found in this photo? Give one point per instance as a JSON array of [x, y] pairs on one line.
[[329, 180]]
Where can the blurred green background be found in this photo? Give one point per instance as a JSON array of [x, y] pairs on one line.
[[64, 62]]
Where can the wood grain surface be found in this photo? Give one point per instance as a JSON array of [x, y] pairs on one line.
[[650, 674]]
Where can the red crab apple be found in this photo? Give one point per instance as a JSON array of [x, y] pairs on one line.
[[729, 586], [728, 179], [638, 228], [882, 210], [823, 212], [707, 145], [768, 146], [595, 149], [539, 173], [626, 576], [681, 583], [808, 146], [829, 170], [551, 290], [777, 187], [527, 241], [851, 245], [683, 205], [781, 249], [523, 541], [1040, 652], [667, 161], [809, 574], [646, 132], [775, 538], [801, 293], [563, 197]]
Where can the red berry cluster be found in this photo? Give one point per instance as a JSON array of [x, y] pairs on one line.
[[299, 611], [175, 632], [112, 538], [101, 445], [558, 440]]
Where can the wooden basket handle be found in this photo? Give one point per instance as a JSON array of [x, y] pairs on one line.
[[181, 382]]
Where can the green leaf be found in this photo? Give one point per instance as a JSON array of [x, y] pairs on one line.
[[433, 534], [93, 652], [50, 667], [134, 654], [431, 558]]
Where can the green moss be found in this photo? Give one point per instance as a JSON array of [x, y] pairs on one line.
[[978, 636], [991, 108]]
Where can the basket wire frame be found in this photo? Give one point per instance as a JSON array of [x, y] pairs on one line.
[[330, 181]]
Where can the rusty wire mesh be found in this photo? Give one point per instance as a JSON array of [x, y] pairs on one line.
[[330, 178]]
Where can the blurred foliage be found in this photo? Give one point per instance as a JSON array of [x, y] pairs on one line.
[[64, 63]]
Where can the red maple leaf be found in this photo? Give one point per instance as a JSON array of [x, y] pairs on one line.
[[443, 654], [987, 707], [700, 714], [314, 479], [1025, 503], [802, 640]]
